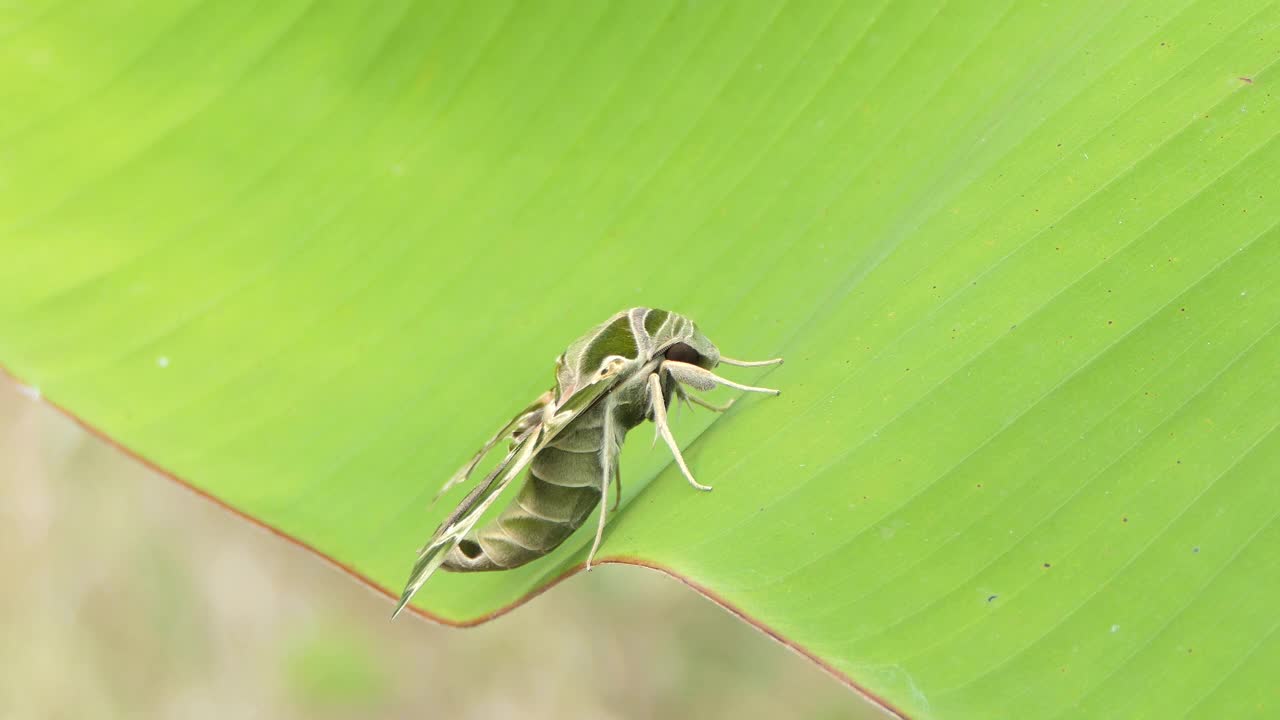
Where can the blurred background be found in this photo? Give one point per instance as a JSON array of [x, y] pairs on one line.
[[129, 596]]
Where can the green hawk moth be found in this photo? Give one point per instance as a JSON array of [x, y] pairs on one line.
[[623, 372]]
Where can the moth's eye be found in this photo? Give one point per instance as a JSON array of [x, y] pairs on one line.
[[681, 352], [470, 548]]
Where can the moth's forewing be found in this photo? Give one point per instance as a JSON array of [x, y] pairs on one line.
[[526, 418], [460, 522], [464, 517]]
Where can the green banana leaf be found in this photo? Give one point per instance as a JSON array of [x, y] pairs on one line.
[[1021, 259]]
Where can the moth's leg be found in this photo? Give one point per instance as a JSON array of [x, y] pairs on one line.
[[527, 418], [700, 379], [751, 363], [608, 457], [694, 399], [660, 419], [682, 397], [617, 487]]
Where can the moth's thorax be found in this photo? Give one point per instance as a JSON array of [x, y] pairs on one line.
[[639, 336], [630, 399]]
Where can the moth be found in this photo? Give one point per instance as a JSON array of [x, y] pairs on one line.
[[625, 371]]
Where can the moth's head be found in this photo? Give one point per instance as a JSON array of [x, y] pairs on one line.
[[692, 347]]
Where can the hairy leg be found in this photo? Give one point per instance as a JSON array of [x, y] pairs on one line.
[[608, 461], [660, 419], [751, 363], [695, 400], [699, 379]]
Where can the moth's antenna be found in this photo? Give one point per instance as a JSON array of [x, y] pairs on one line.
[[750, 363]]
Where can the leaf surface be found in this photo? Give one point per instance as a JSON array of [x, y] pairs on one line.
[[1021, 259]]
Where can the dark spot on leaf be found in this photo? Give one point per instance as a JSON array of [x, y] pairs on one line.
[[1046, 565], [1195, 549], [992, 597], [1247, 80], [1124, 519]]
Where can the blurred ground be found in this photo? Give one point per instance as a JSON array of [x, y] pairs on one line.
[[128, 596]]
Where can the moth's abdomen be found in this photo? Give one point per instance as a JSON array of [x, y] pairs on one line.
[[559, 493]]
